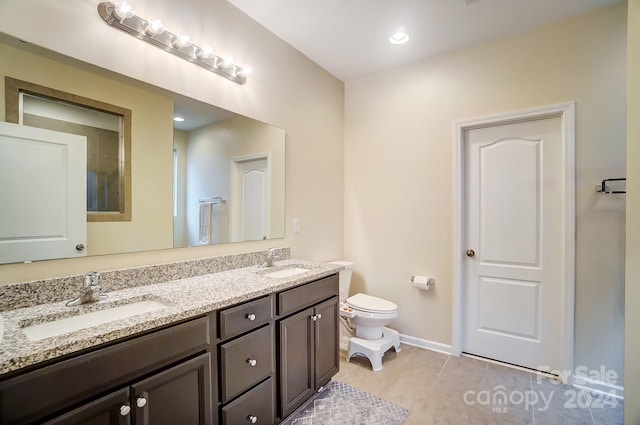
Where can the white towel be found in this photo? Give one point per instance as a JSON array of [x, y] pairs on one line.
[[204, 234]]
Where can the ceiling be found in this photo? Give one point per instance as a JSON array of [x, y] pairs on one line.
[[349, 38]]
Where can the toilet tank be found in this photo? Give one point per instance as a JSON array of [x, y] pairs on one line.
[[344, 278]]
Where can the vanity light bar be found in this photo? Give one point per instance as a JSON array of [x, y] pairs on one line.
[[122, 17]]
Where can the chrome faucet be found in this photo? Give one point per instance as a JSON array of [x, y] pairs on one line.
[[92, 290], [271, 256]]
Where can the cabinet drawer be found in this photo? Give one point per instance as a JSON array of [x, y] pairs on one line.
[[257, 403], [246, 361], [244, 317], [30, 396], [306, 295]]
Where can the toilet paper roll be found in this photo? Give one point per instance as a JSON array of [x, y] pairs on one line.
[[422, 282]]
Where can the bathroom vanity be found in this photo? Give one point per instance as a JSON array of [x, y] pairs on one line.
[[253, 359]]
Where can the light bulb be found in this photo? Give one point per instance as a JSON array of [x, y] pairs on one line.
[[247, 70], [228, 62], [181, 41], [206, 53], [154, 27], [123, 10]]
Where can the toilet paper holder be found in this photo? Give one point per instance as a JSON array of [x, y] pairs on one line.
[[422, 282]]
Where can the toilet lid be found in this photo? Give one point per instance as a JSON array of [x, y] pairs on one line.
[[369, 303]]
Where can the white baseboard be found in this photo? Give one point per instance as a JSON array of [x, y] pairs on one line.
[[426, 344], [599, 387]]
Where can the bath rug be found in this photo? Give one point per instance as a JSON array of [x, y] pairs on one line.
[[340, 404]]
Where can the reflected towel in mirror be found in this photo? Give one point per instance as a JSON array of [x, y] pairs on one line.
[[204, 233]]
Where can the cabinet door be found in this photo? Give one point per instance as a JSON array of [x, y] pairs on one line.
[[112, 409], [180, 395], [296, 360], [326, 341]]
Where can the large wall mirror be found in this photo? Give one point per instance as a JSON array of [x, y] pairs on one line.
[[214, 177]]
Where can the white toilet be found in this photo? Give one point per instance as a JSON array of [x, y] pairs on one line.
[[369, 315]]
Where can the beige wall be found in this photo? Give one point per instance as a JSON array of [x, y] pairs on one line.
[[286, 89], [399, 147], [151, 131], [632, 288]]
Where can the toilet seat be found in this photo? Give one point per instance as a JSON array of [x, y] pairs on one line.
[[370, 304]]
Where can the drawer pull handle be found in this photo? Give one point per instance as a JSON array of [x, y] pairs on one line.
[[252, 362], [141, 402], [251, 317], [252, 419], [124, 410]]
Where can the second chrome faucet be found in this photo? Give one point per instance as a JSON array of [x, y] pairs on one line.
[[91, 290], [272, 255]]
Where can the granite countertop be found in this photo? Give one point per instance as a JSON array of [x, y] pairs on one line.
[[185, 298]]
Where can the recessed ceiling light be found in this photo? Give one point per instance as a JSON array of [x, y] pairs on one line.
[[399, 38], [178, 119]]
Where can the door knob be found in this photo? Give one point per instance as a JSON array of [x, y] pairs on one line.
[[471, 253], [80, 247]]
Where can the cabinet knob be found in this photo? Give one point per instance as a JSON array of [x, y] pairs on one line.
[[252, 419], [124, 410], [141, 402], [319, 316], [252, 362], [251, 317], [314, 317]]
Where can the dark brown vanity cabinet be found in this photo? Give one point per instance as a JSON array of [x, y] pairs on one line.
[[246, 357], [252, 363], [163, 377], [308, 341]]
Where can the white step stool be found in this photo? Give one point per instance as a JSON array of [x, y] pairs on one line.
[[375, 349]]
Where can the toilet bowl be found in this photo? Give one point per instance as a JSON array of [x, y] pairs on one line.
[[368, 315], [371, 314]]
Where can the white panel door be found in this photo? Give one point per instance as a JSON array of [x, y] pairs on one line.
[[42, 195], [255, 200], [513, 278]]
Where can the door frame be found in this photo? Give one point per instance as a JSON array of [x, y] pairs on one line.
[[566, 113]]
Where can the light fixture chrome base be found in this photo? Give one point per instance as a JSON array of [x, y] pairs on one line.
[[169, 42]]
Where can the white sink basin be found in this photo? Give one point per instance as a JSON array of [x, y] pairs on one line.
[[87, 320], [286, 272]]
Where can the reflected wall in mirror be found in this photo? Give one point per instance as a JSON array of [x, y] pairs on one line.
[[107, 129], [205, 153]]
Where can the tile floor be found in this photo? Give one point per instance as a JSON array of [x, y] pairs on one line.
[[441, 389]]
